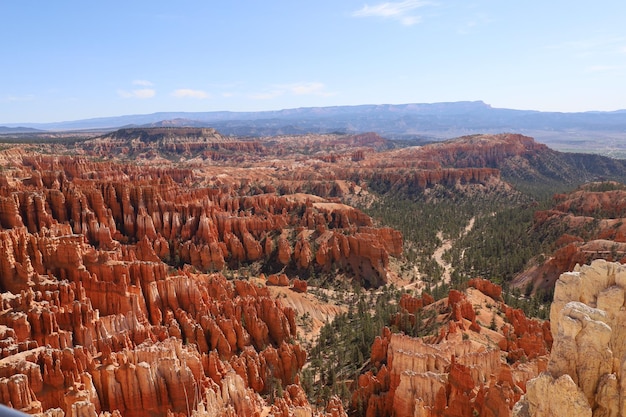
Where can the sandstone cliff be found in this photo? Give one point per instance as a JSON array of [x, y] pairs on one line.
[[588, 224], [105, 309], [464, 369], [114, 301], [586, 367], [157, 216]]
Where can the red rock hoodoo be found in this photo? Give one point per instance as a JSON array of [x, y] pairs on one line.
[[99, 316]]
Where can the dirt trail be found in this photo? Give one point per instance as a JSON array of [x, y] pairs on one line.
[[446, 245]]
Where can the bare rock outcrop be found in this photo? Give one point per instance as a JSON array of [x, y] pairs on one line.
[[464, 369], [547, 397], [590, 225], [105, 309], [587, 361], [113, 302]]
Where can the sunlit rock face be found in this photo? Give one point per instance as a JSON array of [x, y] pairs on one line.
[[589, 223], [587, 362], [113, 301], [99, 315], [465, 369]]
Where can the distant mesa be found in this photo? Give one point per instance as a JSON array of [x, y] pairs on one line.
[[165, 131], [18, 129], [178, 122], [419, 122]]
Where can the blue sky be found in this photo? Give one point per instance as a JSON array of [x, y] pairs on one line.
[[68, 60]]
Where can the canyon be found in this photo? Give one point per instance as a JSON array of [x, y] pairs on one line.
[[112, 300], [169, 271], [467, 368], [589, 224]]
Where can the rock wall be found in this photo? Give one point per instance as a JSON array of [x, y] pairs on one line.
[[589, 225], [465, 370], [587, 361], [98, 315], [156, 212]]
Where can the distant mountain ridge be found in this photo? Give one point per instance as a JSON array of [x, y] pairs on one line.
[[433, 116], [303, 113], [17, 129], [425, 121]]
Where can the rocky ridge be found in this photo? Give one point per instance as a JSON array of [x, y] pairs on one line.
[[115, 299], [586, 367], [589, 223], [466, 368], [328, 165], [96, 318]]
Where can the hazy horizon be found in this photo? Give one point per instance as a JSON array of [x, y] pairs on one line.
[[171, 115]]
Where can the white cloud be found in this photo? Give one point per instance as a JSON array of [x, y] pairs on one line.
[[267, 95], [308, 89], [401, 11], [297, 89], [144, 83], [141, 93], [28, 97], [189, 93]]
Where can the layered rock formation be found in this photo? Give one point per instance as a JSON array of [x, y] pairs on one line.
[[589, 223], [327, 165], [483, 150], [207, 228], [114, 296], [586, 368], [105, 309], [464, 369]]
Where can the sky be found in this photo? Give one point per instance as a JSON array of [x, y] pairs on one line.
[[68, 60]]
